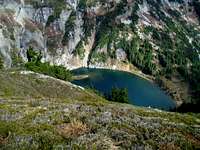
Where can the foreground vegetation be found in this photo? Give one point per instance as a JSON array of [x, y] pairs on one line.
[[34, 64], [39, 112], [140, 44], [1, 63]]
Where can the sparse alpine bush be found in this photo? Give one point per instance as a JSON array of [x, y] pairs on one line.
[[119, 95], [196, 5], [73, 129], [1, 63], [57, 6], [34, 64]]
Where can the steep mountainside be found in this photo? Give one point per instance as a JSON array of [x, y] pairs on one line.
[[159, 37], [40, 112]]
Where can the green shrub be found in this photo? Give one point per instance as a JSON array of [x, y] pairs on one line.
[[57, 6], [88, 26], [6, 128], [32, 55], [51, 19], [119, 95], [140, 55], [80, 50], [195, 80], [196, 5], [59, 72], [69, 27], [100, 57], [16, 59], [1, 63], [34, 64], [134, 16], [82, 4]]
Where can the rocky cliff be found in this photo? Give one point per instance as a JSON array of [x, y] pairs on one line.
[[80, 33]]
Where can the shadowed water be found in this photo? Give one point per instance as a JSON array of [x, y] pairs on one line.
[[140, 91]]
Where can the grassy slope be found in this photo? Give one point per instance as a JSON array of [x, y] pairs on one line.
[[44, 113]]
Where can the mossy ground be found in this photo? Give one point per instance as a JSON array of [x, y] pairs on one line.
[[39, 112]]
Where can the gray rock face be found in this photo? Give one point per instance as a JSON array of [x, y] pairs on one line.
[[24, 24], [30, 30], [121, 55]]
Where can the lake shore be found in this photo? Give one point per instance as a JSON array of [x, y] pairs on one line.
[[141, 91], [79, 77], [126, 68], [176, 90], [169, 89]]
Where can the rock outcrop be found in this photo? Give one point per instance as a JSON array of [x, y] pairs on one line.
[[75, 33]]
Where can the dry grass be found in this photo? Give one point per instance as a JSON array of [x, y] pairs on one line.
[[4, 140], [169, 146], [73, 129], [31, 86]]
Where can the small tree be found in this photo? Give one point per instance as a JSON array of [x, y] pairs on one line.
[[34, 64], [1, 63], [196, 5], [32, 55], [119, 95]]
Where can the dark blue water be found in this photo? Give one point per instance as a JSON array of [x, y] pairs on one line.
[[141, 92]]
